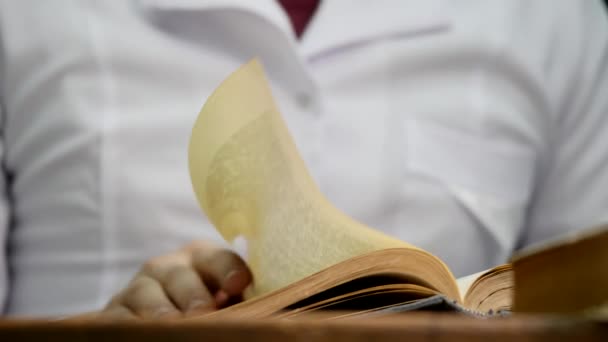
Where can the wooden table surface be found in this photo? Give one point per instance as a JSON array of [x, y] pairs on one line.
[[411, 327]]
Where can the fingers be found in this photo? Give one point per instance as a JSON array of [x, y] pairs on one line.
[[146, 298], [186, 289], [117, 313], [221, 269], [195, 279]]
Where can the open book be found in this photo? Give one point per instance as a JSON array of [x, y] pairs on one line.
[[303, 252]]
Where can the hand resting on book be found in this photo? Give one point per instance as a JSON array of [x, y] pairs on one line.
[[198, 278]]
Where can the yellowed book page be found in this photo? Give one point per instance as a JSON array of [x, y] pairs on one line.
[[464, 283], [251, 181]]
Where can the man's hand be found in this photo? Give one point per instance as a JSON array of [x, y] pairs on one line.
[[198, 278]]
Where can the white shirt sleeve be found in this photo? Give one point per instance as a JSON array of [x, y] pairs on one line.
[[572, 183]]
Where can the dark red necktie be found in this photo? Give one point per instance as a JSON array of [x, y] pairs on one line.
[[300, 12]]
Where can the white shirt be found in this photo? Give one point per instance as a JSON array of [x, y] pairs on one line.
[[469, 128]]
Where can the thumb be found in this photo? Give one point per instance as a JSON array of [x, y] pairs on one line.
[[222, 269], [236, 280]]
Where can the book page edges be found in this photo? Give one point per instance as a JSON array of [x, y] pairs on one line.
[[415, 264]]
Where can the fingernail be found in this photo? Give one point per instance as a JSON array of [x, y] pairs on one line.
[[221, 297], [235, 282]]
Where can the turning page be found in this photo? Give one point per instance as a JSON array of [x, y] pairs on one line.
[[250, 181]]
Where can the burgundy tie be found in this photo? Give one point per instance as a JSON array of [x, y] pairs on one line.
[[300, 12]]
